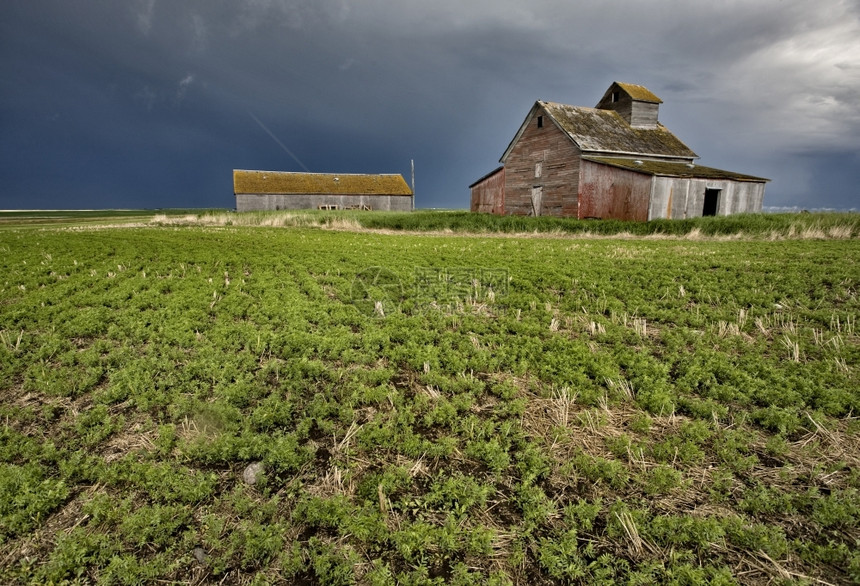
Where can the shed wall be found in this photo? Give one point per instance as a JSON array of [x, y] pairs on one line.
[[559, 171], [488, 195], [669, 198], [611, 193], [679, 197], [246, 202]]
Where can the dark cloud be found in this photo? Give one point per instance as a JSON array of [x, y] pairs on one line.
[[149, 103]]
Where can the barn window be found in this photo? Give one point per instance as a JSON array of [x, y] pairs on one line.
[[616, 95], [538, 169], [540, 121]]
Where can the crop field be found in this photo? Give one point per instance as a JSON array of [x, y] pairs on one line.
[[36, 218], [250, 405]]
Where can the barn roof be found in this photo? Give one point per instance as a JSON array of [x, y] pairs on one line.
[[671, 169], [605, 132], [279, 182], [637, 92]]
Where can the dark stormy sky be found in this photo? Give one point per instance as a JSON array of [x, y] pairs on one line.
[[152, 103]]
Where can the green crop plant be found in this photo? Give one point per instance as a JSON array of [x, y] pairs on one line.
[[672, 409], [457, 494], [29, 497], [661, 479]]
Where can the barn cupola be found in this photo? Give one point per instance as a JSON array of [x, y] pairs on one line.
[[635, 103]]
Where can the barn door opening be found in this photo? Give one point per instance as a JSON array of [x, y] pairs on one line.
[[712, 201], [537, 197]]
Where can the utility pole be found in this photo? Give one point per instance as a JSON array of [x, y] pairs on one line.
[[413, 185]]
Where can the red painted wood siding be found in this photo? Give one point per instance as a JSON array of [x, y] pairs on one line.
[[611, 193], [488, 195], [559, 159]]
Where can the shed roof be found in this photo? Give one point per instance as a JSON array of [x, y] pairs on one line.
[[671, 169], [280, 182]]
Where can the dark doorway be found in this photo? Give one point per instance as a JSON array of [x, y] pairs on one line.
[[712, 200]]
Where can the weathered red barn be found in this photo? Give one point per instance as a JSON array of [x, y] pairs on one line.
[[612, 161]]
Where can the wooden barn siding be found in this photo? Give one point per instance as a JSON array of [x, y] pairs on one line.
[[669, 198], [488, 196], [678, 198], [248, 202], [560, 171], [624, 108], [644, 114], [696, 201], [748, 197], [611, 193], [640, 114]]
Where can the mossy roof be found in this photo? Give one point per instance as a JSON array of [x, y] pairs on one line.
[[671, 169], [639, 92], [280, 182], [605, 131]]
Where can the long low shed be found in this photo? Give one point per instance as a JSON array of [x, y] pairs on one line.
[[278, 190], [647, 190]]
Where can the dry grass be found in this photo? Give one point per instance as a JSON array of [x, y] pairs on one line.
[[353, 223], [136, 437], [333, 483], [11, 341], [262, 220]]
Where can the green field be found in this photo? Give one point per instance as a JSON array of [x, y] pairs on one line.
[[240, 404], [41, 218]]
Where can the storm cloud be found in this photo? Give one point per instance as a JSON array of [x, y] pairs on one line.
[[150, 103]]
